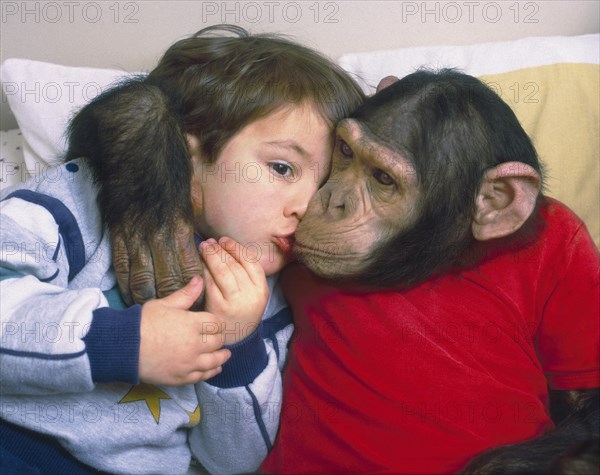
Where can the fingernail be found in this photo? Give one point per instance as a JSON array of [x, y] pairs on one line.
[[227, 244]]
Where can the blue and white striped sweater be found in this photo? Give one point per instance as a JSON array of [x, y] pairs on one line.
[[64, 349]]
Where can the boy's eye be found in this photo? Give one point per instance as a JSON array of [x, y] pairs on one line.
[[282, 169]]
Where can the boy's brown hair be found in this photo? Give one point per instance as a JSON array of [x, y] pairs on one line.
[[224, 82]]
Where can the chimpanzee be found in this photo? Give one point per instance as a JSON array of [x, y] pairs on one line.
[[451, 307]]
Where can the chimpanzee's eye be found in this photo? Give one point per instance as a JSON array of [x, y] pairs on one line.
[[346, 150], [382, 177]]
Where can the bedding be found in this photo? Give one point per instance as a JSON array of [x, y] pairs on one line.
[[12, 161], [552, 84], [43, 96]]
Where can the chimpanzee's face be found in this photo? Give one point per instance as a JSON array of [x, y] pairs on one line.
[[371, 196]]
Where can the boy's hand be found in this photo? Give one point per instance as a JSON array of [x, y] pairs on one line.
[[236, 289], [178, 346]]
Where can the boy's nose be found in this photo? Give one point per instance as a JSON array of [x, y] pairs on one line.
[[297, 209], [297, 203]]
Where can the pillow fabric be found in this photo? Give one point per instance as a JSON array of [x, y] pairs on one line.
[[551, 84], [559, 107], [12, 163], [478, 59], [43, 97]]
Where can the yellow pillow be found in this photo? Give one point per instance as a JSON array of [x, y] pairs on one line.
[[559, 107]]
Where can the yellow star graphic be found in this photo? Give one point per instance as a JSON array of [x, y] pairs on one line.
[[194, 417], [151, 395]]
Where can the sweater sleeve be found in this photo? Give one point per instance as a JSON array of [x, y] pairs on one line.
[[55, 338], [240, 407], [113, 345]]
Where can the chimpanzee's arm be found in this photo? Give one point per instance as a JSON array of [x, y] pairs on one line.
[[135, 143], [572, 447]]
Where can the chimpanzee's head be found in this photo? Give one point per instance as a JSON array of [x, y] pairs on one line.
[[428, 166]]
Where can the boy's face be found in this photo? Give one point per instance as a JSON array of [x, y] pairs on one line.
[[260, 186]]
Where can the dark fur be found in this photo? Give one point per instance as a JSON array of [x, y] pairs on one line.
[[132, 135], [429, 118], [572, 448]]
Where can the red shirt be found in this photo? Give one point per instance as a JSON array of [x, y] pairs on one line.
[[421, 381]]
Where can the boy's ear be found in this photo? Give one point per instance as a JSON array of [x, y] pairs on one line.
[[193, 146], [506, 199]]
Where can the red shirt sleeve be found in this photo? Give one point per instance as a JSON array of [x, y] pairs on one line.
[[568, 338]]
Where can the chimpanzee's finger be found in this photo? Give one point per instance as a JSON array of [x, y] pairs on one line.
[[167, 274], [176, 259], [141, 271], [120, 261], [190, 262]]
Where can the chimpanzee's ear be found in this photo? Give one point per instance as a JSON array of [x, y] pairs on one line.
[[386, 81], [506, 199]]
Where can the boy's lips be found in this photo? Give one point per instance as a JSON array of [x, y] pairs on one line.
[[285, 243]]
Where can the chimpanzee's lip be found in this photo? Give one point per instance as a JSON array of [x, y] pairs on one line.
[[303, 248]]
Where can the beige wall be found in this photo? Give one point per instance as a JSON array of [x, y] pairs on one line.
[[131, 35]]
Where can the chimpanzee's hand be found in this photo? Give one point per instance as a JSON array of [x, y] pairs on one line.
[[133, 139], [512, 460], [572, 447], [558, 456], [151, 265]]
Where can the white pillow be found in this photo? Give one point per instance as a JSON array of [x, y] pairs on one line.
[[43, 97], [477, 59], [12, 166]]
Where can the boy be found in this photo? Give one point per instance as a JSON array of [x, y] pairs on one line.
[[55, 388]]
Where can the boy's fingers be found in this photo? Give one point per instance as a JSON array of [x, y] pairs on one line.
[[234, 260], [185, 297], [212, 290], [197, 376], [252, 268], [209, 361], [210, 342], [211, 327], [223, 274]]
